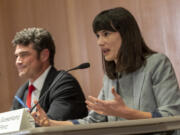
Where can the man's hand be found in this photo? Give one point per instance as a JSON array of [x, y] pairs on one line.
[[40, 116], [42, 119]]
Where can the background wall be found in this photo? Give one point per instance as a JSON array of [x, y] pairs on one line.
[[69, 21]]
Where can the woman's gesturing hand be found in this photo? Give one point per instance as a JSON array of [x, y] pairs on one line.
[[115, 107]]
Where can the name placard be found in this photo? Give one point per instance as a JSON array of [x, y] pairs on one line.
[[15, 121]]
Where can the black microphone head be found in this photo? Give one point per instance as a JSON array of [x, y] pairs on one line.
[[84, 65]]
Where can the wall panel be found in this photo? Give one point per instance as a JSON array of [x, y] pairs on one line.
[[70, 23]]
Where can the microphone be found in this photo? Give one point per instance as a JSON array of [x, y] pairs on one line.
[[58, 78], [81, 66]]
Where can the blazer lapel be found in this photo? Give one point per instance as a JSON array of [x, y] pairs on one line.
[[49, 79], [138, 79], [24, 91]]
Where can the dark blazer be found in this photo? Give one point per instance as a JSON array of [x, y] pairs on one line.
[[64, 101]]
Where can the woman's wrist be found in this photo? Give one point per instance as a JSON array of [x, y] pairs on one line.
[[131, 114]]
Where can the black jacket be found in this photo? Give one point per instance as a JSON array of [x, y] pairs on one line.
[[65, 101]]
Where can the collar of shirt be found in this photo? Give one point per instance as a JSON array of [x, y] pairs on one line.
[[39, 82]]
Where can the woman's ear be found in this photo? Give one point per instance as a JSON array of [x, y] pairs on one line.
[[44, 55]]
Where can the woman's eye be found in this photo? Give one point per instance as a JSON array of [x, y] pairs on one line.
[[97, 35], [106, 33]]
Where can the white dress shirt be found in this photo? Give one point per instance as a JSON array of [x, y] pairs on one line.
[[38, 84]]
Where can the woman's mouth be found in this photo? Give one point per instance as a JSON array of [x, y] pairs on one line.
[[105, 51]]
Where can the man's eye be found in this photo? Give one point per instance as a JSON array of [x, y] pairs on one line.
[[24, 55]]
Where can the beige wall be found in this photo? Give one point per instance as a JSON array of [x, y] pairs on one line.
[[69, 21]]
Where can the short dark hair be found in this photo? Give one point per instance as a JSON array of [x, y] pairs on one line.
[[40, 38], [133, 51]]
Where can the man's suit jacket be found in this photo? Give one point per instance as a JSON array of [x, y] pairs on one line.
[[64, 101]]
